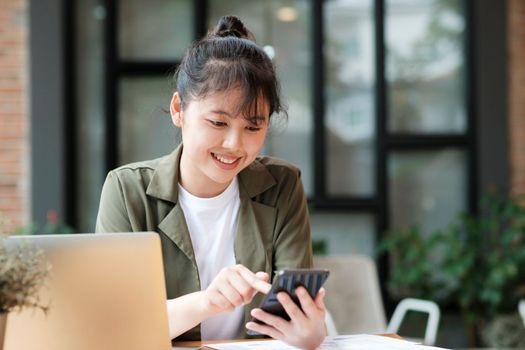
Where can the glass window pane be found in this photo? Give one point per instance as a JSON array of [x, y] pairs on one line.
[[154, 29], [425, 66], [90, 111], [145, 127], [427, 189], [283, 26], [344, 233], [350, 112]]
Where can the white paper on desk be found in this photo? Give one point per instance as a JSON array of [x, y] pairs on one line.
[[342, 342]]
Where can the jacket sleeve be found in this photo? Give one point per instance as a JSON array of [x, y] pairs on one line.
[[292, 242], [112, 213]]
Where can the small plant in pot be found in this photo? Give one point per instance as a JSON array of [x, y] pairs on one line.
[[23, 272], [476, 262]]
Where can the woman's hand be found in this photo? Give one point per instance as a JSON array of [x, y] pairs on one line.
[[306, 329], [232, 287]]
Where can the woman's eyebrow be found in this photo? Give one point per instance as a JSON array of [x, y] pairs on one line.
[[256, 119], [221, 112]]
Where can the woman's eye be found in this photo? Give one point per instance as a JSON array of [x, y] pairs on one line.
[[253, 128], [217, 123]]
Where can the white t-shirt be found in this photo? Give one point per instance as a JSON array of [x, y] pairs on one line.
[[212, 223]]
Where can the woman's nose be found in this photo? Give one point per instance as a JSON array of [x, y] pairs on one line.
[[233, 140]]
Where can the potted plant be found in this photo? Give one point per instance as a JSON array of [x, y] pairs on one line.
[[22, 273], [476, 262], [412, 268]]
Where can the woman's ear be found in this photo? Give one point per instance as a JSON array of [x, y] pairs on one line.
[[176, 110]]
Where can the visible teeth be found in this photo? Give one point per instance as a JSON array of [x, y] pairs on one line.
[[223, 160]]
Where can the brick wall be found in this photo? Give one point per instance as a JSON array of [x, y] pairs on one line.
[[14, 133], [516, 42]]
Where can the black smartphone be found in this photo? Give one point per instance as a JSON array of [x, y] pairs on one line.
[[288, 280]]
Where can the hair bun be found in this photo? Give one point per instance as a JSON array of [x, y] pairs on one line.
[[229, 32], [231, 26]]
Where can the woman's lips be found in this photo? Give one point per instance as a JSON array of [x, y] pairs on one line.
[[225, 162]]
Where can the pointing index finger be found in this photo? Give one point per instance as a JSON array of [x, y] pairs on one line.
[[254, 281]]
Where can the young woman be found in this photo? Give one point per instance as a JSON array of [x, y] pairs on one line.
[[227, 219]]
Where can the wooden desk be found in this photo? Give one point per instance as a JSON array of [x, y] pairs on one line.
[[198, 343]]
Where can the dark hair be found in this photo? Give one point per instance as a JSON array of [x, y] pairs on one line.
[[228, 57]]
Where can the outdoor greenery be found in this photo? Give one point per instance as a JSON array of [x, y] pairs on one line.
[[476, 262], [319, 247], [53, 225], [412, 268]]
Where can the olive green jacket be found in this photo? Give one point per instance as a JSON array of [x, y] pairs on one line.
[[273, 230]]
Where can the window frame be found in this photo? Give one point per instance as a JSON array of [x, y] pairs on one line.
[[385, 143]]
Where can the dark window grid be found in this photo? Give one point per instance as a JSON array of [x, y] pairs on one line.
[[385, 143], [318, 107], [415, 142], [145, 68], [117, 68], [348, 204], [111, 85], [472, 190], [381, 217], [70, 123]]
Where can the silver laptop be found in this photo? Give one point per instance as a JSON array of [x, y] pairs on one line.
[[106, 291]]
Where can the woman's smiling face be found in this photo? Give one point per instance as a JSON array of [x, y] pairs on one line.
[[218, 141]]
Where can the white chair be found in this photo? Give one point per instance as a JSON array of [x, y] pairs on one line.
[[521, 309], [354, 300], [412, 304]]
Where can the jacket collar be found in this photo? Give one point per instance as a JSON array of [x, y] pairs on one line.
[[254, 179], [253, 242], [165, 179]]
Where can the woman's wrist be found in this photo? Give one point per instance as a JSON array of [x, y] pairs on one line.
[[187, 311], [204, 306]]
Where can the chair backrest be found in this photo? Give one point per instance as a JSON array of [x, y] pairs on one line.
[[425, 306], [353, 294], [521, 309]]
